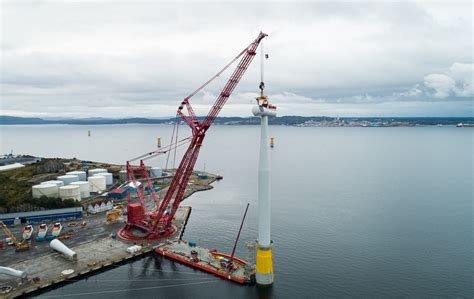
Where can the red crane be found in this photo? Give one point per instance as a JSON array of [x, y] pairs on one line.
[[157, 224]]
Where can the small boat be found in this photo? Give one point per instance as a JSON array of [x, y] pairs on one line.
[[42, 230], [462, 125], [27, 232], [57, 227]]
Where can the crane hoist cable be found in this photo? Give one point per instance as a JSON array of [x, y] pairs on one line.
[[171, 141], [164, 150], [179, 144], [177, 133]]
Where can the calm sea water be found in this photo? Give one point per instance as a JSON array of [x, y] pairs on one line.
[[357, 212]]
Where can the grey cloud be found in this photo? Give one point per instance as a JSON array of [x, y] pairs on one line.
[[110, 54], [441, 84], [457, 81]]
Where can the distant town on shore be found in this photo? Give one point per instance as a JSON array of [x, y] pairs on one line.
[[298, 121]]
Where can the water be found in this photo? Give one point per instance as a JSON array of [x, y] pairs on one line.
[[357, 212]]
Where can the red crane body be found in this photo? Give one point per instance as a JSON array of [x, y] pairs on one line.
[[158, 224]]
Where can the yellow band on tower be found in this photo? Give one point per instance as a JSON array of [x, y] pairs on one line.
[[264, 261]]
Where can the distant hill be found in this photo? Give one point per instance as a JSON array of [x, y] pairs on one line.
[[282, 120], [13, 120]]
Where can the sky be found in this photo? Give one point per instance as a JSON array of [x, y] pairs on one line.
[[141, 58]]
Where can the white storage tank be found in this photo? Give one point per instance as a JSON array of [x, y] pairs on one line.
[[49, 190], [84, 188], [96, 171], [123, 175], [68, 178], [156, 172], [109, 178], [57, 183], [80, 174], [70, 191], [96, 183]]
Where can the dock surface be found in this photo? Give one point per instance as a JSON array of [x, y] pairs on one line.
[[44, 266]]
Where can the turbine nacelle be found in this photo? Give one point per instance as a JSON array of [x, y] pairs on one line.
[[263, 108]]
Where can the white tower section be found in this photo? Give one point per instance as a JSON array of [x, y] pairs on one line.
[[264, 206], [264, 256]]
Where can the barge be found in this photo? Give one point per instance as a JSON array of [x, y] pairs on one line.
[[212, 261]]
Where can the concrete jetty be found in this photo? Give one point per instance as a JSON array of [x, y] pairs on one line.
[[46, 270]]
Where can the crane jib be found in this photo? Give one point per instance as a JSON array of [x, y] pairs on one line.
[[186, 166], [168, 206]]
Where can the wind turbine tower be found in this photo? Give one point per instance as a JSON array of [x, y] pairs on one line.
[[264, 256]]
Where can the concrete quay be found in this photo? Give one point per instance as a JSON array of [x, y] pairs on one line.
[[44, 269]]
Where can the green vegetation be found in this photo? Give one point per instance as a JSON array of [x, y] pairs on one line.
[[14, 193], [54, 203], [15, 188]]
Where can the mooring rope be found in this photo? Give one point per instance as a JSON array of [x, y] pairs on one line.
[[127, 290], [162, 271], [90, 279]]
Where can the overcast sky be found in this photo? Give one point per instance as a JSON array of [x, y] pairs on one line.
[[140, 58]]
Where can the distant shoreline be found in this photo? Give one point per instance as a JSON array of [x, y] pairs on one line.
[[298, 121]]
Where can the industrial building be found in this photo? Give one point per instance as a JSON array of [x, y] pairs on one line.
[[101, 206], [41, 216], [117, 193]]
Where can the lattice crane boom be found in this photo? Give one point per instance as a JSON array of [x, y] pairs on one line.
[[159, 223], [184, 171]]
